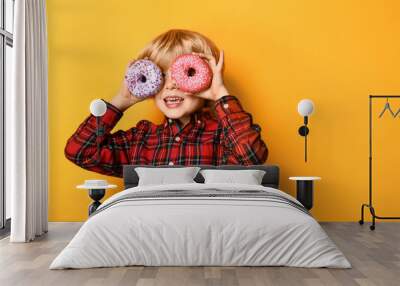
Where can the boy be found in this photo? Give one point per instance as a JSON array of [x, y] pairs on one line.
[[189, 135]]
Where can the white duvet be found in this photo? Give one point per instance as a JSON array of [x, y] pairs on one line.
[[183, 231]]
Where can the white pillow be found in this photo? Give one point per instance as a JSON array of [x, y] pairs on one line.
[[162, 176], [249, 177]]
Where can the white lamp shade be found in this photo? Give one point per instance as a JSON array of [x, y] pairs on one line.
[[98, 107], [305, 107]]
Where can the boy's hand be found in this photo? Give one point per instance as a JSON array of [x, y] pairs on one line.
[[124, 99], [217, 88]]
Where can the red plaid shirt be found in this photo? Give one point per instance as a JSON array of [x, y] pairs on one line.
[[231, 138]]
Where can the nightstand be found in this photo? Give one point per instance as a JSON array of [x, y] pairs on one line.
[[305, 190], [97, 190]]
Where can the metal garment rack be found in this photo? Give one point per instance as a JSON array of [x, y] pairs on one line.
[[370, 204]]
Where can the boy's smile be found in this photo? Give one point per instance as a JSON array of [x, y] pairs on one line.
[[173, 101]]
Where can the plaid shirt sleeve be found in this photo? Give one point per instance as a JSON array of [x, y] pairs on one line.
[[242, 139], [81, 147]]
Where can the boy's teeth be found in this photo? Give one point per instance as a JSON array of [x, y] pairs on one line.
[[174, 99]]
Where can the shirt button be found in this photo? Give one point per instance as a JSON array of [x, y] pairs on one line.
[[226, 105], [171, 163], [170, 120], [177, 139], [199, 121]]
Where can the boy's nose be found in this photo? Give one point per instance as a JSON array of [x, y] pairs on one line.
[[169, 81], [170, 84]]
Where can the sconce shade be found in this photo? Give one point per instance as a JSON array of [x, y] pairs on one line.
[[98, 107], [305, 107]]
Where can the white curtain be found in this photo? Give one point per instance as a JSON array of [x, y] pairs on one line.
[[26, 123]]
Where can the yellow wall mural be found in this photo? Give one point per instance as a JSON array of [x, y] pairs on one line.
[[276, 53]]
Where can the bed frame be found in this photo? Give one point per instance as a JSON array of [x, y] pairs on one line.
[[270, 179]]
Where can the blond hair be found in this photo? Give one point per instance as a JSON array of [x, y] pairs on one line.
[[163, 49]]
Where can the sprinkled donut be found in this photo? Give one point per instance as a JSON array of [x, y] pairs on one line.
[[144, 78], [191, 73]]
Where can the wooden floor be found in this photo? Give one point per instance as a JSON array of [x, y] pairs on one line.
[[375, 257]]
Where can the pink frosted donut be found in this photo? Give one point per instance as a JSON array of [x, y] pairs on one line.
[[144, 78], [191, 73]]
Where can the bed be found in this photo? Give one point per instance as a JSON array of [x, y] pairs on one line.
[[201, 224]]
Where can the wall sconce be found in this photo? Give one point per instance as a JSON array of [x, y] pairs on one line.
[[305, 109], [98, 108]]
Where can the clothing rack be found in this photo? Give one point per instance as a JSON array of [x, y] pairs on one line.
[[370, 204]]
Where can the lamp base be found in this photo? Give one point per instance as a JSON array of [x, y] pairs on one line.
[[303, 130], [96, 195]]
